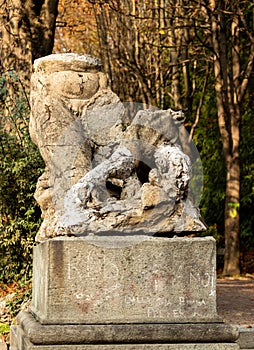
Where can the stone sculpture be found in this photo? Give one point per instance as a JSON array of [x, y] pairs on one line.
[[105, 173]]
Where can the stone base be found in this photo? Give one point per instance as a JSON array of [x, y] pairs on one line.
[[124, 293], [119, 280], [31, 335]]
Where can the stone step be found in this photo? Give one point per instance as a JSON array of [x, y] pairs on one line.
[[246, 338]]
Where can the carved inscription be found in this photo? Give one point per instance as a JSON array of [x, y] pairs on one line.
[[147, 289], [152, 280], [160, 305]]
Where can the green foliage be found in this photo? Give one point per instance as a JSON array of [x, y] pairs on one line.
[[22, 295], [20, 167], [4, 328], [207, 140]]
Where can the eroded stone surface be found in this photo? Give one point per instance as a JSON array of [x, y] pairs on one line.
[[105, 173], [71, 107]]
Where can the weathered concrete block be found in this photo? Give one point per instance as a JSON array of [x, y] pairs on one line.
[[154, 280]]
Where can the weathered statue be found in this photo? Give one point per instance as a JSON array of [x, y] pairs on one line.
[[105, 173]]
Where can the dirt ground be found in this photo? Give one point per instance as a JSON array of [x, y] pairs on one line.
[[235, 300]]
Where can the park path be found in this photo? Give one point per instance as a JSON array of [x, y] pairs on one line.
[[235, 300]]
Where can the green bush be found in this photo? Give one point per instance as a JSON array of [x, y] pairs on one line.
[[22, 295], [20, 167], [208, 141], [4, 328]]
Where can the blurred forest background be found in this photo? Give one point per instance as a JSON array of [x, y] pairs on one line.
[[192, 55]]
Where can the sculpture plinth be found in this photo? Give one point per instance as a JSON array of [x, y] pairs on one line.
[[115, 187], [152, 293], [153, 280]]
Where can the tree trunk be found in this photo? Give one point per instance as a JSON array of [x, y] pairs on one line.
[[232, 218], [230, 87], [27, 31], [229, 126]]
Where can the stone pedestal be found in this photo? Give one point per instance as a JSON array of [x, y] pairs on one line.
[[124, 293]]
